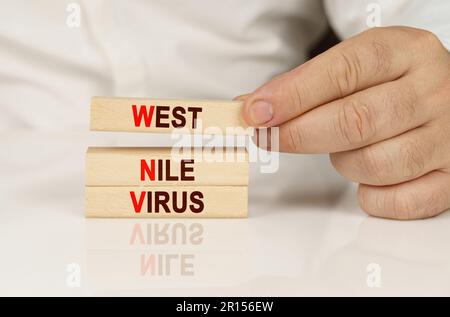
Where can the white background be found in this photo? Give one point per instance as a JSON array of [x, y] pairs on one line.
[[305, 235]]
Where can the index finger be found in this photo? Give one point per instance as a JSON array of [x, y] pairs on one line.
[[368, 59]]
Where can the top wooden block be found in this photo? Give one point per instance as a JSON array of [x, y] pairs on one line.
[[163, 116]]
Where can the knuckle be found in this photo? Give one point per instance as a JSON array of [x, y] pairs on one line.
[[297, 93], [344, 72], [432, 204], [444, 91], [405, 206], [382, 57], [395, 204], [376, 164], [413, 159], [355, 124], [295, 138], [375, 30], [401, 204], [386, 204], [426, 44], [425, 37], [411, 205], [404, 104]]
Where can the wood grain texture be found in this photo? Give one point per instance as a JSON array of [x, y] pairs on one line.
[[116, 202], [122, 166], [116, 114]]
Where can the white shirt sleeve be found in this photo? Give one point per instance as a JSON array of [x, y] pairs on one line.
[[349, 17]]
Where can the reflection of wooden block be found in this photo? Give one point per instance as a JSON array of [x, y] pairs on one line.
[[157, 167], [162, 116], [174, 201]]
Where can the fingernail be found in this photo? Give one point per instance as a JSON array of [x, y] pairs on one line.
[[261, 112]]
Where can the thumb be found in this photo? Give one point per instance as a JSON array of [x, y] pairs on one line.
[[275, 102]]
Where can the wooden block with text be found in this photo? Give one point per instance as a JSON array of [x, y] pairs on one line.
[[163, 116], [166, 166], [167, 202]]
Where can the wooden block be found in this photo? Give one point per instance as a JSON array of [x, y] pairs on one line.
[[163, 116], [157, 167], [167, 202]]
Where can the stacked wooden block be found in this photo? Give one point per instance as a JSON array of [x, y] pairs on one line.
[[165, 182]]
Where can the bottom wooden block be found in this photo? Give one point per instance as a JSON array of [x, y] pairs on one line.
[[167, 202]]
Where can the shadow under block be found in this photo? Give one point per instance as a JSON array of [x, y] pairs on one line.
[[157, 167], [163, 116], [167, 202]]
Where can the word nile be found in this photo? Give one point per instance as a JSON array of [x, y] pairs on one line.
[[148, 169], [158, 167], [165, 264], [163, 116]]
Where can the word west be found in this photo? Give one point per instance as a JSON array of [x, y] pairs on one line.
[[159, 116]]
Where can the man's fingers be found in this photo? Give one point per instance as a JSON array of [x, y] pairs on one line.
[[406, 157], [371, 58], [366, 117], [422, 198]]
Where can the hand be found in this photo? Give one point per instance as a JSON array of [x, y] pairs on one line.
[[379, 103]]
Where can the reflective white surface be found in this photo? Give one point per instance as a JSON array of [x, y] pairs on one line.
[[295, 242]]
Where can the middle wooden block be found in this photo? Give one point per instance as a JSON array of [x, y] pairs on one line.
[[166, 167]]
